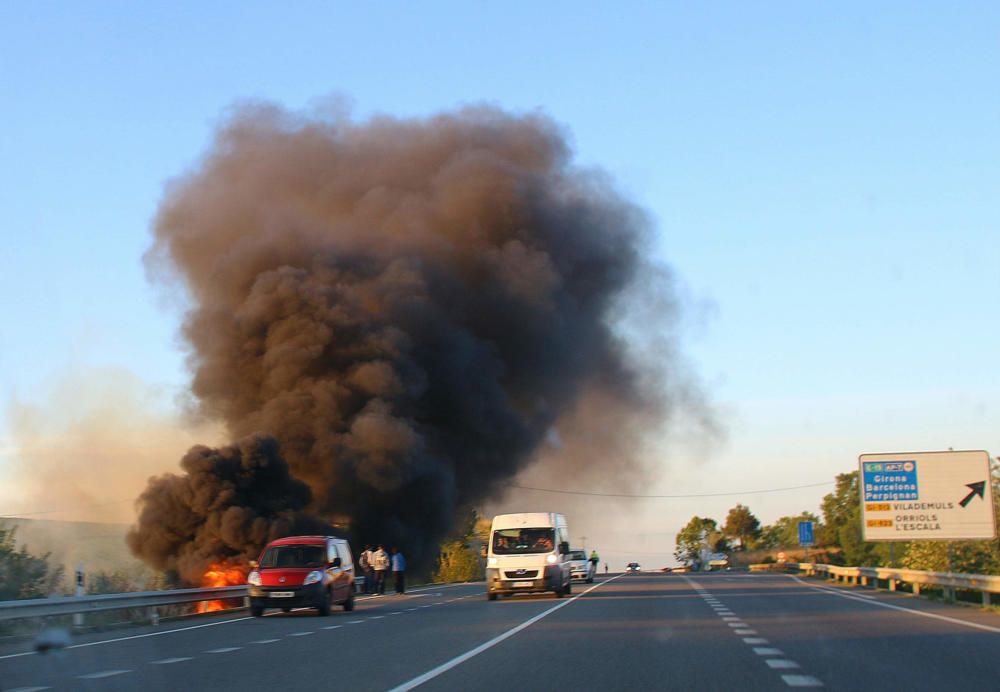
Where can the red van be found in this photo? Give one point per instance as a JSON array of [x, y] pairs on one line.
[[302, 571]]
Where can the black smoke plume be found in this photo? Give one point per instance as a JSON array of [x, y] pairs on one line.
[[408, 307]]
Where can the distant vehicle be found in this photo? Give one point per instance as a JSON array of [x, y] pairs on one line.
[[302, 571], [580, 566], [527, 553], [633, 567]]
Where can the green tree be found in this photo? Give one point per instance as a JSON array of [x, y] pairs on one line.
[[842, 523], [842, 527], [698, 534], [459, 555], [784, 532], [23, 575], [742, 524]]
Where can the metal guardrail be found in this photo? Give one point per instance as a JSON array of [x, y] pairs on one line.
[[71, 605], [987, 584]]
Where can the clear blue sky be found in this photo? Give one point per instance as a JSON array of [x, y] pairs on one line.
[[823, 178]]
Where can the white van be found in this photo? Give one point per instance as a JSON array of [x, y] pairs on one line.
[[527, 553]]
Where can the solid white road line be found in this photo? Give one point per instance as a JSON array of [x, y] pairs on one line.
[[881, 604], [134, 636], [458, 660]]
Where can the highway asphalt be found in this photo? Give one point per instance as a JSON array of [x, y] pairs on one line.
[[719, 631]]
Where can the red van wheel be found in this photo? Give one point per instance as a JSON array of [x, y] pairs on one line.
[[324, 607]]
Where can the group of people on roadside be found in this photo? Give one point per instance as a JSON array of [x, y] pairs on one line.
[[375, 565]]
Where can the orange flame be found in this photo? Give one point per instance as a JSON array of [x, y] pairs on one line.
[[220, 574]]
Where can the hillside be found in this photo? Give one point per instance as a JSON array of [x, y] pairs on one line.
[[100, 547]]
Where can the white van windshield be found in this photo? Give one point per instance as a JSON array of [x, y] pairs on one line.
[[517, 541]]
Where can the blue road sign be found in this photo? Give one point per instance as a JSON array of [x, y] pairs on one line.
[[805, 533]]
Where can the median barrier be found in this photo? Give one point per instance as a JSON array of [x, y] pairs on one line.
[[148, 600]]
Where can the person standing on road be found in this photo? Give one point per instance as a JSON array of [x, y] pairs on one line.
[[380, 561], [365, 563], [399, 570], [605, 567]]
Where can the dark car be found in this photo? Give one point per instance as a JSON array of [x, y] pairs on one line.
[[633, 567], [303, 571]]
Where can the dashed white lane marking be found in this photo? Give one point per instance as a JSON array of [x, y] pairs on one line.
[[801, 681], [29, 689], [300, 634], [333, 627], [410, 610], [224, 650], [377, 617], [265, 641], [354, 622], [167, 661], [458, 660], [740, 627], [103, 674], [782, 663]]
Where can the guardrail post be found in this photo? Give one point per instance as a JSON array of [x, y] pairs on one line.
[[916, 589], [892, 584], [863, 580], [78, 617], [154, 615], [986, 598]]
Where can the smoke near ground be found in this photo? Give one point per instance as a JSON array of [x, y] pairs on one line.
[[403, 311]]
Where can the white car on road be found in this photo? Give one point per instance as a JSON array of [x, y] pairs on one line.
[[580, 567]]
